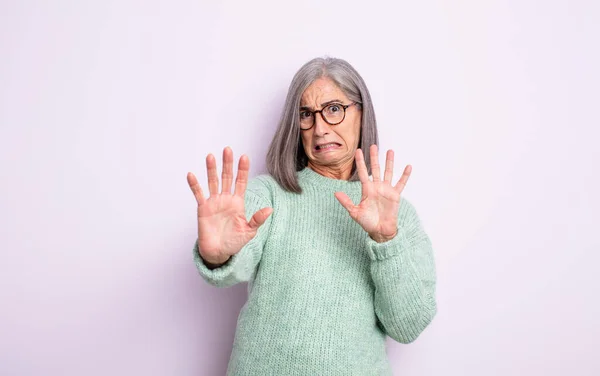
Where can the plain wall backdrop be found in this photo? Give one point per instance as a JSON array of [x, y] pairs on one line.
[[105, 106]]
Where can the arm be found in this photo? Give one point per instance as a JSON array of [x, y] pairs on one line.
[[241, 266], [403, 271]]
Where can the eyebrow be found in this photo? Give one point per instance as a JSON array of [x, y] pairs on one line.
[[322, 104]]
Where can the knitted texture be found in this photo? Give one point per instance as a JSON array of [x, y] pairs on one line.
[[322, 295]]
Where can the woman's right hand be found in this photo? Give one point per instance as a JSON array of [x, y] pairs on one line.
[[222, 226]]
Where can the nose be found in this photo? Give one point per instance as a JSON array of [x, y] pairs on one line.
[[321, 126]]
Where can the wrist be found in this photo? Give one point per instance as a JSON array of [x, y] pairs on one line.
[[381, 238], [214, 263]]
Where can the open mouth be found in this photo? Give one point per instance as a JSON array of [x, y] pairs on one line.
[[329, 146]]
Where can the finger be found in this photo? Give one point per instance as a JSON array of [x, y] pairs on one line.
[[213, 180], [227, 174], [242, 176], [195, 187], [389, 167], [346, 202], [259, 218], [403, 179], [375, 163], [361, 166]]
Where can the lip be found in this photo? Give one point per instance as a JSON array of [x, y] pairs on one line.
[[337, 145]]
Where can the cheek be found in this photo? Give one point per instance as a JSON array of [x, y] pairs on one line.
[[353, 134], [358, 129], [305, 136]]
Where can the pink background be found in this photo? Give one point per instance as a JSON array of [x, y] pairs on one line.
[[105, 106]]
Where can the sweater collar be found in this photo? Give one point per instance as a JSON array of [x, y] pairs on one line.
[[309, 176]]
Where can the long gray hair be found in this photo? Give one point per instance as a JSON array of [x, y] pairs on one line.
[[286, 154]]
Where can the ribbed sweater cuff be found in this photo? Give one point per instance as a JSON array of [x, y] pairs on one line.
[[391, 248], [218, 275]]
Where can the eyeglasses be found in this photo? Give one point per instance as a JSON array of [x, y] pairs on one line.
[[333, 114]]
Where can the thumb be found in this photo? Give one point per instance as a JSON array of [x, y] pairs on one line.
[[259, 218], [346, 202]]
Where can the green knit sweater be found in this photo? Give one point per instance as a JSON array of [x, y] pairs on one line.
[[322, 295]]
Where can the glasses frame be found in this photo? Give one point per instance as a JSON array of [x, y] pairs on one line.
[[344, 106]]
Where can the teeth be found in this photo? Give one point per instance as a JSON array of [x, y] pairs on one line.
[[319, 147]]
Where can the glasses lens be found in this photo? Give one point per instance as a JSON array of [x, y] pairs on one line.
[[334, 113]]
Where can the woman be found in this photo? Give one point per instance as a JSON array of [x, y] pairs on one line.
[[328, 279]]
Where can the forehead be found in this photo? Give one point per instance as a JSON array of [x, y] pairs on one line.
[[322, 90]]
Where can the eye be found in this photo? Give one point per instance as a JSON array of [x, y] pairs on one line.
[[305, 114], [333, 108]]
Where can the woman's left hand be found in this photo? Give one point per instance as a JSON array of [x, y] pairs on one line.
[[377, 212]]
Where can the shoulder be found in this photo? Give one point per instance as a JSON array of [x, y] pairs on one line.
[[263, 186], [409, 220], [407, 213], [406, 205]]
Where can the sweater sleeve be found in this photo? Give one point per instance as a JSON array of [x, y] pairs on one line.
[[403, 272], [241, 266]]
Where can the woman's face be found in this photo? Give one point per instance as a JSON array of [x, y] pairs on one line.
[[330, 148]]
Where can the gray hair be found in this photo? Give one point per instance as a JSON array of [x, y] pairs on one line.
[[286, 154]]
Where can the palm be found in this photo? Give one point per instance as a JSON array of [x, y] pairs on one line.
[[377, 212], [222, 226]]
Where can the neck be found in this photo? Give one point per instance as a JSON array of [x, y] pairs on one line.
[[342, 172]]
